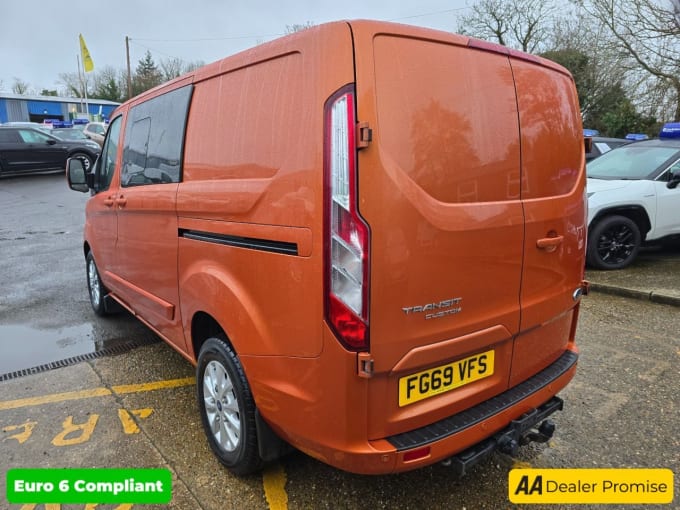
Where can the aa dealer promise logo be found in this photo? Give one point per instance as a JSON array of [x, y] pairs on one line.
[[601, 486]]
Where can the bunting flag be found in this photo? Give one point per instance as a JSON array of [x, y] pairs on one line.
[[88, 65]]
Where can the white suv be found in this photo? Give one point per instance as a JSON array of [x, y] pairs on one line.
[[633, 197]]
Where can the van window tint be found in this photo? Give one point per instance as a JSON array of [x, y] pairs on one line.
[[107, 160], [154, 139]]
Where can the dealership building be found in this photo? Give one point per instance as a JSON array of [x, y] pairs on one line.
[[21, 108]]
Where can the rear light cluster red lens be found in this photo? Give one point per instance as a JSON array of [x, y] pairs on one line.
[[347, 235]]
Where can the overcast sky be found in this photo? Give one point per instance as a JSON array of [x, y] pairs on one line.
[[39, 40]]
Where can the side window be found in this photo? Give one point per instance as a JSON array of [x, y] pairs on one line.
[[154, 139], [674, 169], [30, 136], [107, 160]]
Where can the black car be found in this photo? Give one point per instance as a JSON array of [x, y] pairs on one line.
[[25, 150], [602, 145]]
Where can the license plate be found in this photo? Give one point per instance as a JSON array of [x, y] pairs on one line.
[[436, 381]]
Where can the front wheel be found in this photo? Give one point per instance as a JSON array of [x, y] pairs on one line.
[[95, 287], [613, 243], [86, 159], [227, 407]]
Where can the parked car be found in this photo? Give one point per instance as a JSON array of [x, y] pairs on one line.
[[633, 199], [602, 145], [35, 125], [96, 131], [71, 133], [25, 150]]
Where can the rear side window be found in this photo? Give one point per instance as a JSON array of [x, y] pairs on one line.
[[154, 139]]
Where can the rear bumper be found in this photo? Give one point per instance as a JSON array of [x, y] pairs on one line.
[[486, 410], [463, 431]]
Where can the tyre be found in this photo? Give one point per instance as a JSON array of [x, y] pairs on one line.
[[227, 407], [85, 158], [95, 287], [613, 243]]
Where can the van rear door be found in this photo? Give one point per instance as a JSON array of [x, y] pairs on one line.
[[440, 189], [553, 176]]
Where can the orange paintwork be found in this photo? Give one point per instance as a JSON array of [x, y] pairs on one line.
[[475, 167]]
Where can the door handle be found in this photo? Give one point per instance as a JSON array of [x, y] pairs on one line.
[[108, 201], [121, 201], [549, 243]]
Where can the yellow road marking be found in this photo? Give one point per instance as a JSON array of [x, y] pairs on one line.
[[274, 481], [518, 464], [95, 392]]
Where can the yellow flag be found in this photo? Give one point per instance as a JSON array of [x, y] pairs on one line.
[[88, 65]]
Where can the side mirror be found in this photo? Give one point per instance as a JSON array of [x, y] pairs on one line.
[[51, 142], [75, 175], [674, 180]]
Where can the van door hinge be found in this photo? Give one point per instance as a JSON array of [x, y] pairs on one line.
[[365, 368], [364, 135]]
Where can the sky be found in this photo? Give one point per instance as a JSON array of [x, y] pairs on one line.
[[39, 40]]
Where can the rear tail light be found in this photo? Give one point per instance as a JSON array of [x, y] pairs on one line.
[[346, 233]]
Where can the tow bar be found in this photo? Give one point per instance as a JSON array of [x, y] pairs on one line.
[[530, 427]]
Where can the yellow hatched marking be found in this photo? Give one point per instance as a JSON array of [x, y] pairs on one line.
[[274, 481], [95, 392]]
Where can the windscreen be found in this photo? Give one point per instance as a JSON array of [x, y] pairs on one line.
[[631, 162]]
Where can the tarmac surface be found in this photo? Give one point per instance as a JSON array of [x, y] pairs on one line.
[[653, 276], [132, 404]]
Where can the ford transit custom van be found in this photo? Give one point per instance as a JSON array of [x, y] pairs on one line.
[[367, 237]]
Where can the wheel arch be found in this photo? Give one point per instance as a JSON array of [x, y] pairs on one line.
[[213, 300], [635, 213], [204, 326]]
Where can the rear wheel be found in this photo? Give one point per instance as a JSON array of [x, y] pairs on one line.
[[227, 407], [613, 243]]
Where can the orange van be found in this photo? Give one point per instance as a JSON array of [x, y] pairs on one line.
[[367, 237]]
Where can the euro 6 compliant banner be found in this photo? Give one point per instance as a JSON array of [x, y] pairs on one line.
[[591, 486], [149, 486]]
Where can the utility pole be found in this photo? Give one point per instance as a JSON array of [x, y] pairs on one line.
[[129, 74]]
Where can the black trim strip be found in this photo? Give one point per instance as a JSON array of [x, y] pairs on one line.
[[250, 243], [470, 417]]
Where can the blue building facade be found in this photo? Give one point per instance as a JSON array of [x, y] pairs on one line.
[[20, 108]]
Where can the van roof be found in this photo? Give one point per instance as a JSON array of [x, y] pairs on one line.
[[264, 50]]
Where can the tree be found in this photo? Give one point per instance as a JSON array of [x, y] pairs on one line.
[[623, 118], [47, 92], [648, 32], [73, 84], [521, 24], [174, 67], [146, 76], [20, 86], [109, 84]]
